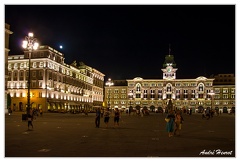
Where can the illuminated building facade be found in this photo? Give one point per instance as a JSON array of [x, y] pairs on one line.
[[154, 94], [224, 89], [55, 85], [7, 35]]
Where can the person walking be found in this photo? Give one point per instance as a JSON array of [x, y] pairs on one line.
[[41, 112], [106, 117], [97, 119], [30, 119], [116, 117], [86, 112], [9, 111], [170, 123], [208, 113], [178, 123]]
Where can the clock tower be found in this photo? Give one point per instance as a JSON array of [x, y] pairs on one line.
[[169, 68]]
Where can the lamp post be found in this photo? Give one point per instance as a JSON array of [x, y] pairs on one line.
[[109, 83], [130, 96], [30, 43], [211, 94], [46, 96]]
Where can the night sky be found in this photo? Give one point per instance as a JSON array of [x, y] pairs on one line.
[[127, 41]]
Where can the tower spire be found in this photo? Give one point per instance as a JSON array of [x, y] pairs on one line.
[[169, 49]]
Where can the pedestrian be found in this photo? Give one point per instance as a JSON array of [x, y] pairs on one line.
[[86, 112], [97, 119], [106, 117], [9, 111], [143, 112], [178, 123], [190, 111], [41, 112], [116, 117], [30, 119], [138, 112], [208, 113], [170, 123], [34, 114]]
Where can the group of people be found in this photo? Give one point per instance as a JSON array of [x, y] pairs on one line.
[[209, 114], [106, 116], [173, 126], [174, 123]]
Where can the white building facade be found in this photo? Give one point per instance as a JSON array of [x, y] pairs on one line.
[[55, 85], [193, 95]]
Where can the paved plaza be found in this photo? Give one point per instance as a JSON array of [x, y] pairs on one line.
[[75, 135]]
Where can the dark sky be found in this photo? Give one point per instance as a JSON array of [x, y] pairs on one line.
[[127, 41]]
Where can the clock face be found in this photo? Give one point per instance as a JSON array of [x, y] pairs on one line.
[[169, 69]]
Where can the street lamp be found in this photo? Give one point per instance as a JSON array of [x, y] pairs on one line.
[[211, 94], [109, 83], [130, 96], [46, 97], [30, 43]]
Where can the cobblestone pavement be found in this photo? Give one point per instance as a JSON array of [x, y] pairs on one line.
[[75, 135]]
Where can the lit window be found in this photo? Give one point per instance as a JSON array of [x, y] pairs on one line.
[[21, 65], [200, 88], [34, 64], [225, 90], [15, 66], [138, 95], [138, 88], [41, 64]]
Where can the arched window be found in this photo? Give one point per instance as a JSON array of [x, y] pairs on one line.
[[169, 88], [201, 87], [138, 88], [138, 91]]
